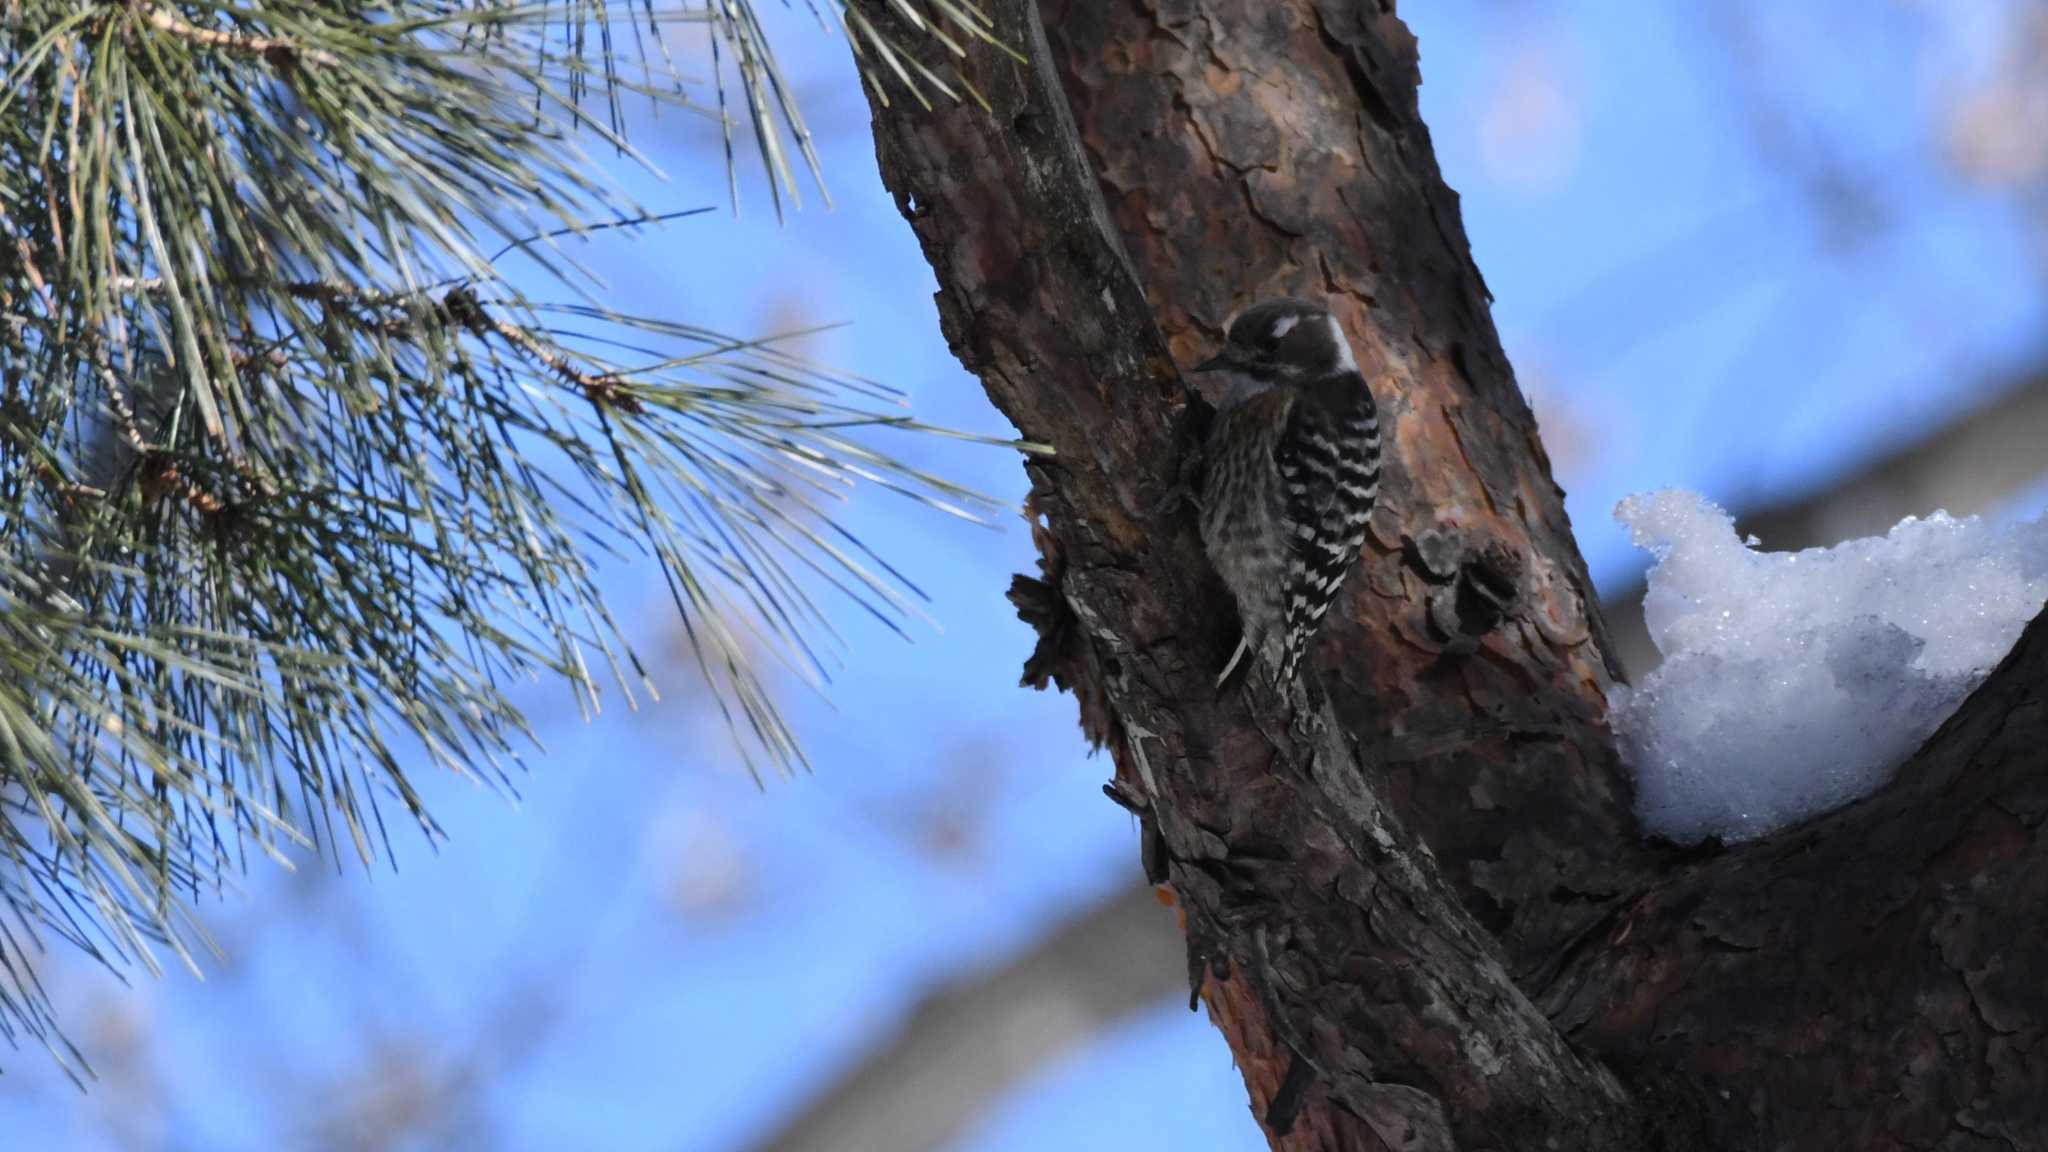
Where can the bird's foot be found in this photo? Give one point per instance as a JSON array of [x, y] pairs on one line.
[[1170, 503], [1182, 492]]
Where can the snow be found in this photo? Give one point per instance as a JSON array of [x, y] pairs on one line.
[[1794, 682]]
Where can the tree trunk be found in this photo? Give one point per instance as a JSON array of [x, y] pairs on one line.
[[1417, 903]]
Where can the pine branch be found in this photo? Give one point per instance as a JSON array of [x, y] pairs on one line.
[[275, 49], [295, 481]]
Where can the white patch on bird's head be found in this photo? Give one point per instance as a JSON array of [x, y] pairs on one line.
[[1345, 359], [1284, 325]]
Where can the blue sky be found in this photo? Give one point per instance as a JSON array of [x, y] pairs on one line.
[[691, 955]]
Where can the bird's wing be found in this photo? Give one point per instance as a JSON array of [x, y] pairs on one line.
[[1328, 487]]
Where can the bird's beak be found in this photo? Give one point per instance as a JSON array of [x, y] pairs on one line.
[[1218, 361]]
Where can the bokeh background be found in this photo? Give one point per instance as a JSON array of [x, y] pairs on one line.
[[1788, 255]]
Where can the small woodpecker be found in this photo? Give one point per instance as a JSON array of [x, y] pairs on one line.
[[1292, 473]]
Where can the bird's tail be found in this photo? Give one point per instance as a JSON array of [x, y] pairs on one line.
[[1291, 651], [1244, 645]]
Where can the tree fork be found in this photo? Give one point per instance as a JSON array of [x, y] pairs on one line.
[[1378, 884]]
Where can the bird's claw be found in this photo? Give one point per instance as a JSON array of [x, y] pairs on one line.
[[1244, 646], [1170, 503], [1182, 492]]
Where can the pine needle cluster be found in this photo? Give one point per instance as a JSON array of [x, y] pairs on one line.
[[295, 483]]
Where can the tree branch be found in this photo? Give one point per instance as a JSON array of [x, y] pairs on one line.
[[1868, 979], [1244, 154], [1364, 1003], [275, 49]]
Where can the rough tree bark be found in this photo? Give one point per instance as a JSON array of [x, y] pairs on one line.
[[1416, 901]]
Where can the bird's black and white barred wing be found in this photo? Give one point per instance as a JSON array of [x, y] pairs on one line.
[[1329, 463]]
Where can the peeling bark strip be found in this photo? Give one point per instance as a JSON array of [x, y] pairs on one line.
[[1377, 886], [1326, 934]]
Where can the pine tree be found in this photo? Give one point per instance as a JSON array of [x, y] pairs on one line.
[[299, 469]]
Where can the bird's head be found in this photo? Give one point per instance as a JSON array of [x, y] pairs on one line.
[[1283, 340]]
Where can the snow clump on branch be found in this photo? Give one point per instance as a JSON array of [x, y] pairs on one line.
[[1794, 682]]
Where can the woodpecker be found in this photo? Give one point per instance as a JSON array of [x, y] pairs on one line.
[[1292, 470]]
